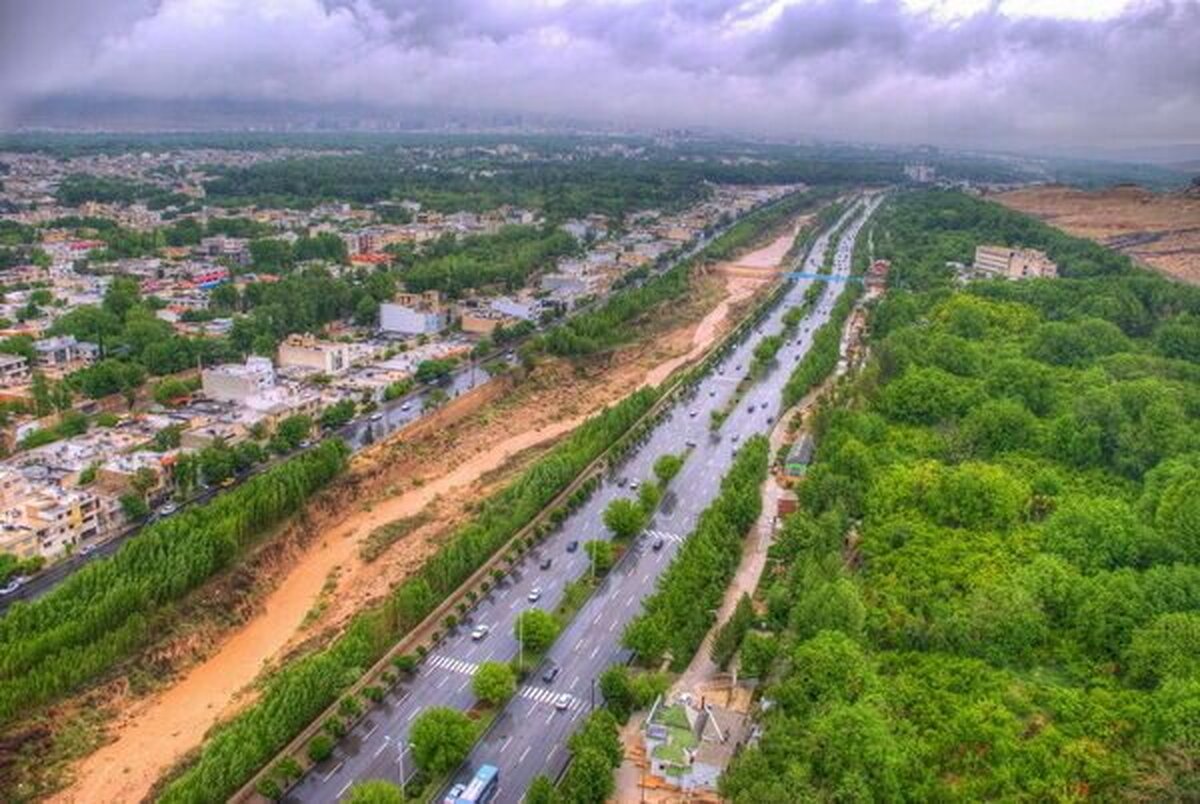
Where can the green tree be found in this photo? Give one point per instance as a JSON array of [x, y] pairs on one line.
[[666, 467], [536, 629], [494, 683], [617, 690], [375, 791], [1168, 647], [541, 791], [600, 555], [624, 518], [134, 507], [441, 739]]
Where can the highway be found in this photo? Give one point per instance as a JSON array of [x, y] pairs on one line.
[[358, 434], [529, 736]]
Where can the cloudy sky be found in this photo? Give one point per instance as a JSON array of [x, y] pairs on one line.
[[1004, 73]]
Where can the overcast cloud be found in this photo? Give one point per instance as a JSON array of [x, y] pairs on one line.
[[940, 71]]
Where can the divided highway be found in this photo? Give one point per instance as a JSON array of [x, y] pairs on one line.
[[529, 736]]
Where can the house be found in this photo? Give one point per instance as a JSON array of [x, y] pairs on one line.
[[689, 746], [64, 352], [800, 456], [14, 370], [414, 314]]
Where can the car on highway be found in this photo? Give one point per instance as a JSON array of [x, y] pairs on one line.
[[87, 550], [572, 546], [693, 413], [690, 443], [376, 417], [551, 673], [736, 436], [563, 702], [546, 562], [633, 485], [168, 509], [712, 392], [480, 632], [13, 585], [658, 544], [621, 482], [453, 795], [535, 594]]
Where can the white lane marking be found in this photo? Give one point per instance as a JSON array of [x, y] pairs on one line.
[[411, 715], [382, 748], [574, 681], [504, 745], [595, 650], [442, 682], [612, 626], [367, 736], [524, 754], [345, 787], [336, 768], [550, 717]]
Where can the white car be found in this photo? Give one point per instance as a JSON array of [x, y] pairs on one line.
[[535, 594], [480, 632], [562, 702], [405, 406]]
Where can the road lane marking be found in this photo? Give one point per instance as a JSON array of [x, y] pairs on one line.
[[383, 747], [367, 736], [524, 754], [411, 715], [345, 787], [574, 681], [504, 745], [336, 768], [595, 650]]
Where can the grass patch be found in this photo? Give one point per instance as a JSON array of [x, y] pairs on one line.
[[384, 536]]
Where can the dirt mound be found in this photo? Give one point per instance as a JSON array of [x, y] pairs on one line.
[[1159, 230]]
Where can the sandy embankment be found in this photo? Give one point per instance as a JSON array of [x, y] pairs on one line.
[[153, 734]]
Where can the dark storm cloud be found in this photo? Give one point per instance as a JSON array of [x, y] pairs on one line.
[[873, 69]]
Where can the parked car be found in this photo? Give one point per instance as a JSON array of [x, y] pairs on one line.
[[87, 550]]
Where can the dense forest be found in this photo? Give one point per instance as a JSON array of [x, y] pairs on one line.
[[507, 259], [992, 588]]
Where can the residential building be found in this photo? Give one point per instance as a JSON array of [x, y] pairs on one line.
[[64, 352], [414, 314], [14, 370], [306, 351], [1013, 263], [236, 382], [689, 746]]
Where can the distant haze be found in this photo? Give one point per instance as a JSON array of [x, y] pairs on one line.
[[1086, 75]]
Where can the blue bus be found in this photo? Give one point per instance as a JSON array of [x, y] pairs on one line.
[[482, 788]]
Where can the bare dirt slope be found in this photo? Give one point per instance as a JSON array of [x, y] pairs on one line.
[[1160, 230], [324, 583]]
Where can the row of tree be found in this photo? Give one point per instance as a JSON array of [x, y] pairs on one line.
[[108, 609], [676, 617], [301, 690]]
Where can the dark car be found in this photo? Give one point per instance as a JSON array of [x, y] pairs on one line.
[[658, 544], [572, 546], [551, 673], [545, 563]]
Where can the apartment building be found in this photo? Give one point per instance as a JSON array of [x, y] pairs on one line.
[[306, 351], [414, 314], [237, 382], [44, 518]]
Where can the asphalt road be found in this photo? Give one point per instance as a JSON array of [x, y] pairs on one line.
[[529, 736]]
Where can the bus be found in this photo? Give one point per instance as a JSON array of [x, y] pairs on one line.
[[482, 788]]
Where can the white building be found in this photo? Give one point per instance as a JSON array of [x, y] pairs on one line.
[[414, 314], [235, 382]]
